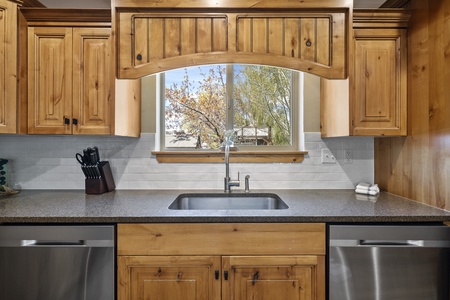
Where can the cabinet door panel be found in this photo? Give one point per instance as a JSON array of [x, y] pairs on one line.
[[50, 80], [92, 80], [379, 82], [168, 278], [274, 277]]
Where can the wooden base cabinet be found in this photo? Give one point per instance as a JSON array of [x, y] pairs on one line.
[[221, 261]]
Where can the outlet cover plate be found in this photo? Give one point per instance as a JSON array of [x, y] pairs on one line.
[[328, 157]]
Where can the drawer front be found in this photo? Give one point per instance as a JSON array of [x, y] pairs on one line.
[[221, 239]]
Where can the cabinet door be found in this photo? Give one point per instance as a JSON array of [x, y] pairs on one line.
[[49, 80], [379, 82], [92, 81], [274, 277], [168, 277], [8, 67]]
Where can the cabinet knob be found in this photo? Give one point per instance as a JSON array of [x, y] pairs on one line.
[[225, 275], [216, 274], [75, 121], [66, 121]]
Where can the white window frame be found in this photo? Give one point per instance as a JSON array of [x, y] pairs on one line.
[[297, 132]]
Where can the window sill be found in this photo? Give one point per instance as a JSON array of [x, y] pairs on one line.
[[235, 156]]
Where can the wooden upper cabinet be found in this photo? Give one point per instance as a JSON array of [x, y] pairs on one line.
[[379, 82], [9, 98], [69, 89], [373, 101], [154, 38], [70, 81]]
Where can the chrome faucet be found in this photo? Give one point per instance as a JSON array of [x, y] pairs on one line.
[[229, 143]]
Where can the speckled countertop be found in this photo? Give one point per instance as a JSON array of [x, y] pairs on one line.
[[73, 206]]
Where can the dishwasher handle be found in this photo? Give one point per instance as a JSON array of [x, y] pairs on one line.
[[390, 243], [381, 243], [56, 243]]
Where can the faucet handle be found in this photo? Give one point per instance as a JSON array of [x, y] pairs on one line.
[[238, 176], [247, 183]]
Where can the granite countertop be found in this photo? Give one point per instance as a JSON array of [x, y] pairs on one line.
[[124, 206]]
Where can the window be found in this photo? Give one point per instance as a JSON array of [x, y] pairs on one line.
[[259, 103]]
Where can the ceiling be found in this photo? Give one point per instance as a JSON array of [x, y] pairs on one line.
[[107, 3]]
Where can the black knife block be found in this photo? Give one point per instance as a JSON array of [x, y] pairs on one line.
[[105, 183]]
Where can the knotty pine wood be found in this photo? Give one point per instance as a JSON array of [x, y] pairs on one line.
[[121, 98], [373, 100], [221, 239], [418, 166], [92, 100], [274, 277], [50, 75], [155, 39], [9, 100], [379, 82], [235, 156], [168, 277], [325, 4]]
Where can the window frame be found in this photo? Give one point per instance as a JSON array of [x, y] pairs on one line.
[[271, 154]]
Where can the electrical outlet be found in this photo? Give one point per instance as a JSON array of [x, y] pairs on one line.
[[348, 159], [328, 157]]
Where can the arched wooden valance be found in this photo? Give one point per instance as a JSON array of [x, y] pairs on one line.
[[155, 36]]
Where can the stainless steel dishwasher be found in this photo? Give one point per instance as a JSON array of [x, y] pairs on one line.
[[388, 262], [57, 262]]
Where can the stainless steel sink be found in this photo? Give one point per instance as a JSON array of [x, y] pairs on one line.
[[223, 201]]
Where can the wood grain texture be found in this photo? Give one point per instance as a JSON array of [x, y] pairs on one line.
[[101, 104], [418, 166], [326, 4], [50, 80], [156, 40], [235, 157], [92, 81], [221, 239], [373, 101], [168, 277], [274, 277], [379, 89], [9, 98]]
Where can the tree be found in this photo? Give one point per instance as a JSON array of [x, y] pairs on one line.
[[200, 109], [262, 99]]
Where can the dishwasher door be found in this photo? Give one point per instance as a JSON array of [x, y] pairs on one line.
[[381, 262], [57, 262]]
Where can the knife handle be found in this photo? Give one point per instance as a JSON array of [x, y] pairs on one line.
[[97, 154]]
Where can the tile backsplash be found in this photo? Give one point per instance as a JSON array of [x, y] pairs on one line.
[[48, 162]]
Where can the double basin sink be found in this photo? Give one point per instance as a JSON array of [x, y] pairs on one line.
[[221, 201]]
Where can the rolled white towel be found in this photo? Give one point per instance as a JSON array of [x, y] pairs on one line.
[[368, 187]]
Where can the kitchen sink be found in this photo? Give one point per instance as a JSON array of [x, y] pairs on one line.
[[221, 201]]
